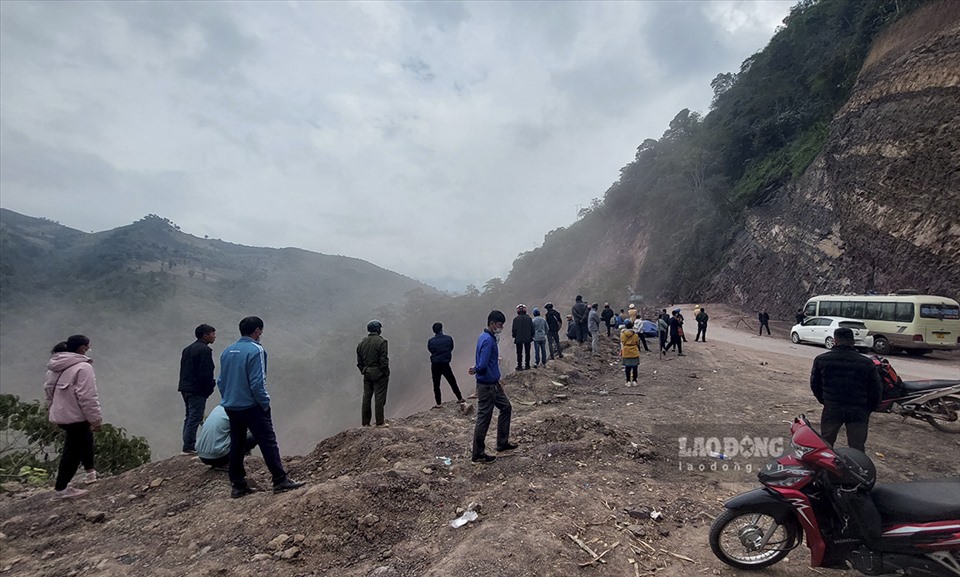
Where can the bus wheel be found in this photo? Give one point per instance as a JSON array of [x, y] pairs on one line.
[[881, 346]]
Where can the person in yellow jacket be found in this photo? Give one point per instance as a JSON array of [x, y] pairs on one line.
[[630, 351]]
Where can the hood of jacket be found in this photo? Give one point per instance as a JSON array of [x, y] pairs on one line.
[[63, 361]]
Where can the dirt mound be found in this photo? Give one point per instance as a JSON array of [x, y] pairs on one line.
[[597, 462]]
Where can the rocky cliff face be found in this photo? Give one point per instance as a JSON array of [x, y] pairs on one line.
[[880, 207]]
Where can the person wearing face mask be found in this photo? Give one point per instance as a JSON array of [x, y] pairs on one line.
[[490, 393], [70, 388]]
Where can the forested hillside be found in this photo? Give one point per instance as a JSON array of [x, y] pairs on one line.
[[138, 291], [672, 227]]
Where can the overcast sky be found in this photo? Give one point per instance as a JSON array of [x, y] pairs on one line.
[[435, 139]]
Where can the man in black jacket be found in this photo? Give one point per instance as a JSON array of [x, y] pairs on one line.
[[441, 353], [554, 322], [196, 383], [606, 315], [848, 386], [522, 336]]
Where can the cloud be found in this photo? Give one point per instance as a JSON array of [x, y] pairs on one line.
[[437, 139]]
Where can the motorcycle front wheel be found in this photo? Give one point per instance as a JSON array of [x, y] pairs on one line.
[[736, 535], [946, 413]]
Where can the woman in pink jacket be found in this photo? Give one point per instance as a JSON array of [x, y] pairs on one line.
[[71, 391]]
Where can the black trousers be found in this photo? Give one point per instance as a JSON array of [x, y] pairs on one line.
[[77, 448], [856, 420], [607, 322], [438, 370], [259, 423], [523, 348], [553, 340], [701, 331], [675, 341], [490, 396], [376, 391], [644, 341], [762, 325], [663, 341], [582, 331]]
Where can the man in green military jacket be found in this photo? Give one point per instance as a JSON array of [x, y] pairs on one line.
[[375, 366]]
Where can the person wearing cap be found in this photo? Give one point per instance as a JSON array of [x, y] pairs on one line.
[[579, 312], [593, 325], [632, 313], [572, 329], [374, 365], [522, 332], [441, 353], [606, 315], [554, 322], [539, 339]]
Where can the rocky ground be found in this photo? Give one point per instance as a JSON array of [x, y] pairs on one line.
[[597, 462]]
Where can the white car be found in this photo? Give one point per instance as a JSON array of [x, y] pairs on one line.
[[819, 330]]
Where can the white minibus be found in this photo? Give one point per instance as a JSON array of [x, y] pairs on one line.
[[917, 324]]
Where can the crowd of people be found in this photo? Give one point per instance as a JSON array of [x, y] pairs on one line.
[[843, 381]]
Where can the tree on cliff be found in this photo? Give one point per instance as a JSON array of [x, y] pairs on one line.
[[30, 445]]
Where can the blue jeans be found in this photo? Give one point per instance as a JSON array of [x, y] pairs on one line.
[[540, 352], [195, 405]]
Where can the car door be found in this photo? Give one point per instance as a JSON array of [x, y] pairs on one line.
[[807, 331], [824, 329]]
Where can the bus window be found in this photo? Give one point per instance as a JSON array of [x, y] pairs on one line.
[[942, 312], [887, 311], [830, 308], [811, 309], [872, 311], [852, 310], [903, 313]]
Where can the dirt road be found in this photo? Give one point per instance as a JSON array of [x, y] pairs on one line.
[[724, 326]]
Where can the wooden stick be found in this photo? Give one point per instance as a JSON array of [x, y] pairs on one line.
[[582, 545], [598, 557], [678, 556]]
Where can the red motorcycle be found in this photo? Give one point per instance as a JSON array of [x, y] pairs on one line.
[[830, 497]]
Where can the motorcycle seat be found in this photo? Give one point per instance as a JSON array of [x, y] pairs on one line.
[[928, 384], [918, 501]]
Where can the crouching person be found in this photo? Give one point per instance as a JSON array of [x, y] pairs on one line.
[[213, 444]]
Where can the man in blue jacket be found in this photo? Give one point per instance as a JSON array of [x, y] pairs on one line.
[[243, 386], [441, 353], [489, 391]]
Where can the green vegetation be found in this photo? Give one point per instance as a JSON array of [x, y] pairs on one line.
[[767, 124], [30, 445]]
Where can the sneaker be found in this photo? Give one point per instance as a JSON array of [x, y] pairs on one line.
[[189, 452], [627, 384], [634, 383], [243, 491], [70, 493], [287, 485], [436, 407], [461, 401], [384, 424], [483, 459], [681, 355], [90, 477], [507, 447]]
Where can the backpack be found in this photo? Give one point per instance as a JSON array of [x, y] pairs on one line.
[[892, 383]]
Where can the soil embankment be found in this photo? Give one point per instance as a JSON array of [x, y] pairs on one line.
[[596, 458]]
